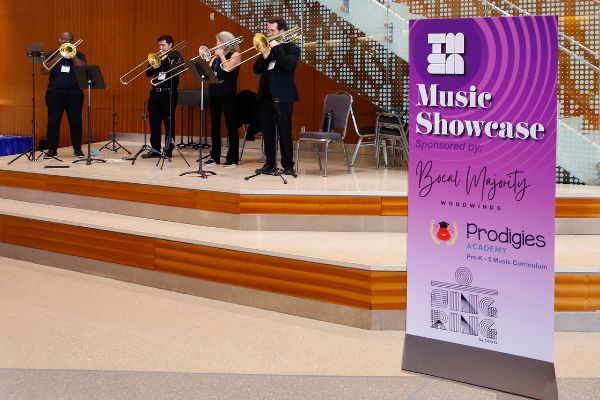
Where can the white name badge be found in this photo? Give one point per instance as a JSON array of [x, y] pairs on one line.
[[271, 65], [162, 76], [65, 68]]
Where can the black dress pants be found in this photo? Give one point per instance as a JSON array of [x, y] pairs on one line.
[[276, 118], [224, 105], [58, 102], [160, 113]]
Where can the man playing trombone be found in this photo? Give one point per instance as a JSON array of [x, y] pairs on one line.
[[162, 100], [64, 94], [276, 95]]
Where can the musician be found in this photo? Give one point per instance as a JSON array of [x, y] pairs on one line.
[[64, 94], [225, 64], [162, 100], [276, 96]]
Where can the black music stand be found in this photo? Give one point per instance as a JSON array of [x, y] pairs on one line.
[[35, 56], [90, 77], [203, 73], [113, 141], [146, 146], [190, 98]]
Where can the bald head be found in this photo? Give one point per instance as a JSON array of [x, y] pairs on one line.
[[66, 37]]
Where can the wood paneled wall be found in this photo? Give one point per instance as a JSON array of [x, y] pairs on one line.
[[117, 35]]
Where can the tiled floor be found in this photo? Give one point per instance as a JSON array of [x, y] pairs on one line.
[[69, 335]]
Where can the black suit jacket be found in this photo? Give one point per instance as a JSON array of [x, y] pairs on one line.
[[280, 79]]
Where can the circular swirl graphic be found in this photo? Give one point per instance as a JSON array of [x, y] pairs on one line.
[[463, 276]]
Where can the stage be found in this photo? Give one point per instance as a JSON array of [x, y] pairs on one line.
[[330, 248]]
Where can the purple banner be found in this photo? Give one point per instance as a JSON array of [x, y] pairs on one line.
[[482, 183]]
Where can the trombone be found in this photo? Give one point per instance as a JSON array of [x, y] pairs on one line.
[[66, 50], [261, 43], [203, 52], [153, 59]]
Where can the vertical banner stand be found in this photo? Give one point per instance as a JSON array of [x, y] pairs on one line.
[[480, 261]]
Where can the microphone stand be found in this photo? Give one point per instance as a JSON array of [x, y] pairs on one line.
[[35, 57]]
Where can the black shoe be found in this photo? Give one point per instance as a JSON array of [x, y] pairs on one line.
[[78, 153], [51, 153], [210, 162], [250, 138], [229, 164], [290, 171], [266, 169], [152, 154]]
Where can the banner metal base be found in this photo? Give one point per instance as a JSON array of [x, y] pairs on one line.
[[481, 367]]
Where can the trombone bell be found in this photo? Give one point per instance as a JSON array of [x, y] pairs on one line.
[[260, 43], [204, 53], [154, 60], [66, 50]]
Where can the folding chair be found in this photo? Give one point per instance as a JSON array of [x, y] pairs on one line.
[[339, 103]]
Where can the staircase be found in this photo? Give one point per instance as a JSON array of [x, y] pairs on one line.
[[363, 44], [578, 134]]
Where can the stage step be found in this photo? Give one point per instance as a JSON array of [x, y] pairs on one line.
[[355, 278], [368, 200]]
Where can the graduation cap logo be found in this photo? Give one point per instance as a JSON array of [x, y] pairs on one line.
[[443, 232]]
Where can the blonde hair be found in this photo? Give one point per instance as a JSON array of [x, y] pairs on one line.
[[225, 37]]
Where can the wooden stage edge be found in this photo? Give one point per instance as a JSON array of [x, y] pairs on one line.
[[234, 203], [358, 289]]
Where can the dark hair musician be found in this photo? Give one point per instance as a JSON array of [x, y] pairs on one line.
[[276, 96], [162, 99]]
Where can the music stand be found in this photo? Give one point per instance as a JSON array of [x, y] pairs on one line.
[[190, 98], [113, 141], [146, 146], [90, 77], [276, 117], [203, 73], [35, 56]]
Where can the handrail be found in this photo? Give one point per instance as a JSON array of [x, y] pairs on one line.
[[570, 39], [577, 56]]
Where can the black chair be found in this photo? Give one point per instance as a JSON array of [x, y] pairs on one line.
[[339, 103], [390, 129], [247, 118]]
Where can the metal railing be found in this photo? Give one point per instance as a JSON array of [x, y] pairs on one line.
[[560, 34]]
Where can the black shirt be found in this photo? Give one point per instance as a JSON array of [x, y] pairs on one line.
[[65, 81], [228, 87]]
